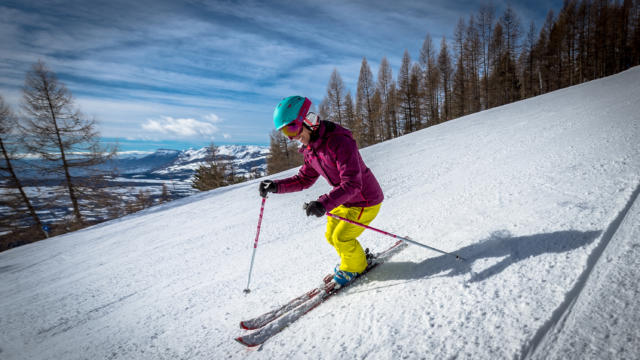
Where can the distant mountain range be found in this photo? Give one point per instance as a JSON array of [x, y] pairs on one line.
[[181, 164], [137, 171], [163, 164]]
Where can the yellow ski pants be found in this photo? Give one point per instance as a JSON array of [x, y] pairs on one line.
[[343, 236]]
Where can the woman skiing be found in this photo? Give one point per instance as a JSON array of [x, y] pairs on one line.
[[330, 150]]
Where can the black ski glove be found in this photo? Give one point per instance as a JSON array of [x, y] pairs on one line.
[[314, 208], [267, 186]]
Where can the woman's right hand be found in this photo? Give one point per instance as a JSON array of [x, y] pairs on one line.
[[267, 186]]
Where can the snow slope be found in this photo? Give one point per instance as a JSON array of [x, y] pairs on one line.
[[540, 196]]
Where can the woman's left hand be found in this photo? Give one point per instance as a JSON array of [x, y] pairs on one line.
[[315, 208]]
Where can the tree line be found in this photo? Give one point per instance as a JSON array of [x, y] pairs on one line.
[[492, 60]]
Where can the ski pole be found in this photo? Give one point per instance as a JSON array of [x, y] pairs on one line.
[[458, 257], [255, 245]]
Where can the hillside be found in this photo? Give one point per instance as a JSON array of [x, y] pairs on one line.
[[540, 196]]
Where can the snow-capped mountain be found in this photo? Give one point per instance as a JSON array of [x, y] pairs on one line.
[[180, 165], [539, 196], [163, 164]]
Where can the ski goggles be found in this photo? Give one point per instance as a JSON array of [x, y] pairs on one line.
[[292, 129]]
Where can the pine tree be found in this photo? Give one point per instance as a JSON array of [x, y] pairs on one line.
[[556, 66], [393, 125], [415, 92], [497, 75], [409, 92], [364, 110], [404, 93], [383, 86], [283, 154], [444, 65], [431, 78], [511, 29], [512, 33], [473, 59], [349, 112], [584, 34], [485, 20], [543, 49], [377, 111], [324, 111], [569, 15], [335, 95], [529, 63], [459, 91], [211, 174]]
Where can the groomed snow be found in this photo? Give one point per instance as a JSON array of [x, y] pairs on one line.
[[540, 196]]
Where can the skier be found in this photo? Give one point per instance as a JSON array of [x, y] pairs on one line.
[[330, 150]]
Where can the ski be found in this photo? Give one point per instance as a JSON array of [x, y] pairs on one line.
[[267, 317], [275, 321], [264, 319]]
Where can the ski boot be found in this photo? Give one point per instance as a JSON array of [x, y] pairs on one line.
[[342, 277]]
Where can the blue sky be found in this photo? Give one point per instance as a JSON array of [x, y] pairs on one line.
[[201, 71]]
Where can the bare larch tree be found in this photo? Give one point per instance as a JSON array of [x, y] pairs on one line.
[[59, 134]]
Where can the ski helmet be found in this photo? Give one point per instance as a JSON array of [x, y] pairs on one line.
[[290, 109]]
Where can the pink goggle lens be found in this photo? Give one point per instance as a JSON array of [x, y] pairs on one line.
[[292, 129]]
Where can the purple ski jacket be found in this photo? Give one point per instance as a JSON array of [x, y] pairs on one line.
[[333, 153]]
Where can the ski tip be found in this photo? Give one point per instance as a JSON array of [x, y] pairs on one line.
[[244, 326], [240, 339]]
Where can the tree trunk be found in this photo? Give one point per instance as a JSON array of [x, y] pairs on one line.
[[23, 195], [72, 195]]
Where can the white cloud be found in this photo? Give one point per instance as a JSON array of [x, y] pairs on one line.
[[213, 118], [182, 128]]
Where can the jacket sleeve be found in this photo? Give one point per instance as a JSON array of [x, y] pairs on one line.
[[306, 177], [348, 162]]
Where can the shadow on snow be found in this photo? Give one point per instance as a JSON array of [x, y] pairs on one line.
[[498, 245]]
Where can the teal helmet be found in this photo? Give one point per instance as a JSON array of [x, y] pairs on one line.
[[290, 109]]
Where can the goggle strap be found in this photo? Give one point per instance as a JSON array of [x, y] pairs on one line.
[[311, 124]]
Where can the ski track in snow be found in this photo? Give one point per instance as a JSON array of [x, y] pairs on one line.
[[551, 332], [539, 196]]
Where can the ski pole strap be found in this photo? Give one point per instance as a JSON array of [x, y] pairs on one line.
[[406, 239]]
